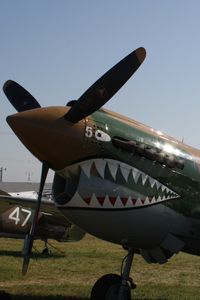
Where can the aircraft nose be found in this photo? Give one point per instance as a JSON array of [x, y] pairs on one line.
[[46, 133]]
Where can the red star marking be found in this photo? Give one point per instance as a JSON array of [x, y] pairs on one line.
[[101, 92]]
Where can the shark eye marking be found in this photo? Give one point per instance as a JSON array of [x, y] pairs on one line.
[[111, 184], [102, 136], [98, 134]]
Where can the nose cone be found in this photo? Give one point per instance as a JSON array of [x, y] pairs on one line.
[[46, 133]]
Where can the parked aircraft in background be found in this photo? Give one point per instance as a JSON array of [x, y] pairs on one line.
[[25, 194], [116, 178], [32, 194], [16, 215]]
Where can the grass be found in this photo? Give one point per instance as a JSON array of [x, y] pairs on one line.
[[69, 274]]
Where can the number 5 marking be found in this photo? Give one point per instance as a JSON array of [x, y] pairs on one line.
[[99, 135], [88, 132]]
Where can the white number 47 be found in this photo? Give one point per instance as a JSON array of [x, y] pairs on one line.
[[15, 215]]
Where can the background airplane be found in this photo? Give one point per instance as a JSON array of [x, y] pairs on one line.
[[25, 194], [116, 178], [16, 215]]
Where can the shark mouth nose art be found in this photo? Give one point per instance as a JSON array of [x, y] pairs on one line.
[[111, 184]]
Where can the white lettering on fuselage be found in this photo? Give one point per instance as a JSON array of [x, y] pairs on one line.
[[15, 215]]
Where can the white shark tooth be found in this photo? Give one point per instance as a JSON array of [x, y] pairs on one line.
[[113, 166], [159, 199], [94, 203], [138, 202], [129, 202], [125, 172], [163, 188], [107, 203], [158, 185], [76, 201], [147, 200], [168, 190], [86, 166], [152, 181], [100, 166], [153, 200], [136, 174], [174, 195], [144, 178], [118, 203]]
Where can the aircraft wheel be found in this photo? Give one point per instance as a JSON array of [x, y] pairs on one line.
[[107, 288]]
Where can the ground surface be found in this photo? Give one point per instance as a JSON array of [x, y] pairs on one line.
[[68, 274]]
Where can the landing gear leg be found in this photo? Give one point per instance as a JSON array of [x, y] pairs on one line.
[[115, 287], [126, 282]]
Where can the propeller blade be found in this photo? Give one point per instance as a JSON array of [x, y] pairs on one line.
[[28, 242], [105, 87], [20, 98]]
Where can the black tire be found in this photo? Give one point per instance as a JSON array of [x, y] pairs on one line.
[[107, 288]]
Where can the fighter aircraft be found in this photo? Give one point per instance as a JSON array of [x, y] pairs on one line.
[[16, 214], [116, 178]]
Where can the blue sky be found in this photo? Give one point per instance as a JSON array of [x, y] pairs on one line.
[[57, 49]]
